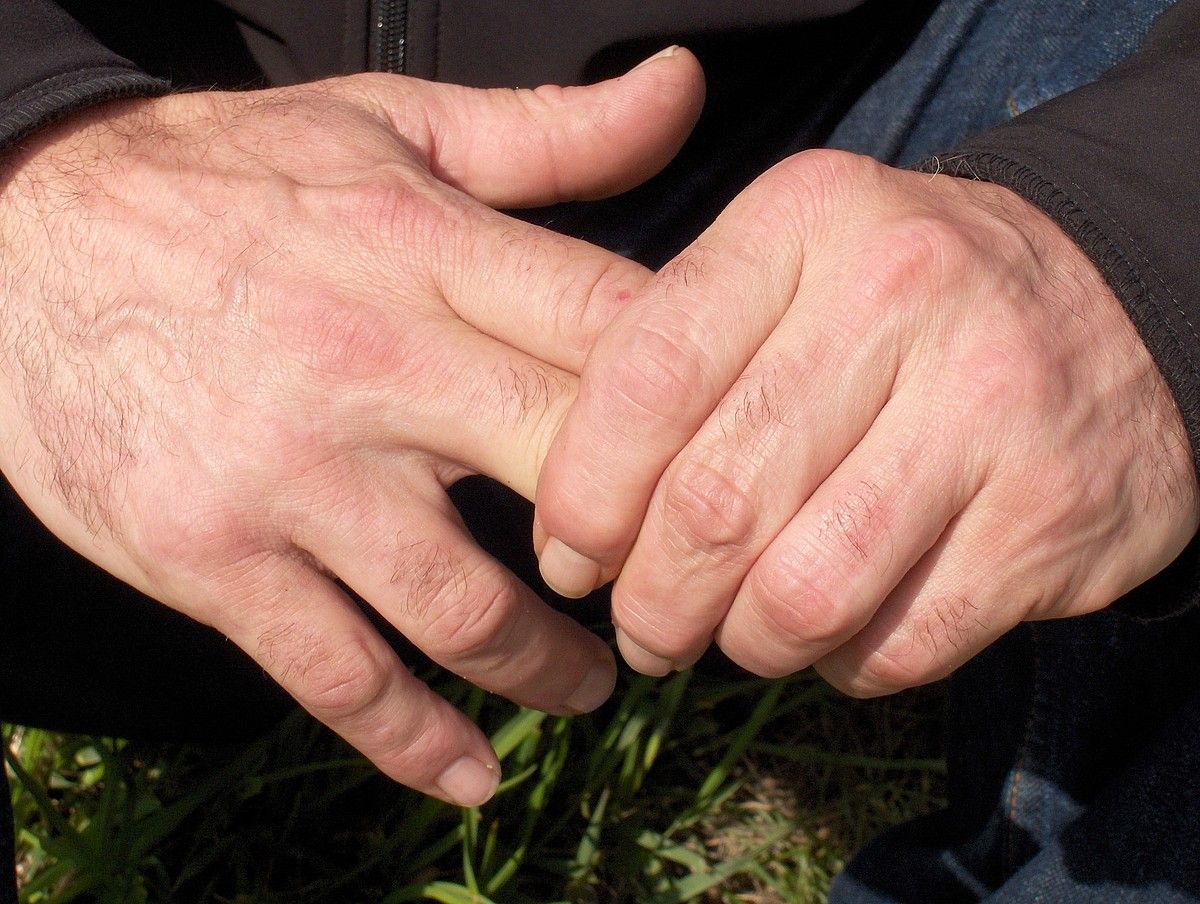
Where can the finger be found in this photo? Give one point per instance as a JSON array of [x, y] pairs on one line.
[[544, 293], [444, 387], [652, 379], [804, 402], [468, 399], [428, 248], [524, 148], [312, 640], [959, 599], [412, 559], [853, 541], [1015, 553]]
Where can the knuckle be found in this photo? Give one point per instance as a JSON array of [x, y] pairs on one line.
[[818, 178], [475, 625], [331, 337], [852, 530], [655, 628], [549, 131], [208, 541], [390, 209], [592, 298], [1000, 375], [796, 597], [337, 683], [463, 614], [711, 506], [881, 674], [908, 257], [583, 515], [413, 752], [656, 373]]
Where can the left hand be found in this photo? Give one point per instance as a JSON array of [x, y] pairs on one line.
[[870, 420]]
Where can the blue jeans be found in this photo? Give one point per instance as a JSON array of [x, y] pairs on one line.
[[1073, 746]]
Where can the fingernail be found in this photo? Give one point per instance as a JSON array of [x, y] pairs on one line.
[[468, 782], [567, 572], [662, 54], [596, 687], [642, 660], [539, 536]]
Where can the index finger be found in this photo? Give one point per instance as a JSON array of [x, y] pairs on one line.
[[543, 293], [653, 378], [547, 294]]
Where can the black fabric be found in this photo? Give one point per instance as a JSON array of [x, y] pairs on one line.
[[1114, 164], [530, 42], [81, 651], [189, 43], [50, 65]]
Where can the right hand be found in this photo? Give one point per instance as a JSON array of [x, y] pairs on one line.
[[247, 340]]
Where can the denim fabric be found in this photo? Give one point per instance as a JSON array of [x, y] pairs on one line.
[[1074, 755], [978, 62], [1073, 746]]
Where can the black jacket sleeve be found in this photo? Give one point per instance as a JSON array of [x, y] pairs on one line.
[[50, 65], [1117, 165]]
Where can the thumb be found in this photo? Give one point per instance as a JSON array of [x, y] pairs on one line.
[[524, 148]]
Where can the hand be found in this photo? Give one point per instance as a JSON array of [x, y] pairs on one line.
[[247, 340], [871, 420]]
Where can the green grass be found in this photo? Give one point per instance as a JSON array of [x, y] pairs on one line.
[[698, 788]]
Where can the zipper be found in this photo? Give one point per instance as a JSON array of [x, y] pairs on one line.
[[389, 35]]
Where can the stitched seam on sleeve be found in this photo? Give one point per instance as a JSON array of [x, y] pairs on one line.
[[1133, 243], [1022, 173], [54, 97], [66, 80]]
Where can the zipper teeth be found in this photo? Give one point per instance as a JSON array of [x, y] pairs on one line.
[[391, 27]]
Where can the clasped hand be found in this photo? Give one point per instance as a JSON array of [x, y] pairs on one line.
[[247, 339], [869, 421]]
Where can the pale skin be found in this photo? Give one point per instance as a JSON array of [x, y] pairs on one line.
[[247, 340], [870, 421]]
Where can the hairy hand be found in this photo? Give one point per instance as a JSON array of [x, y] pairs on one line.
[[247, 340], [871, 420]]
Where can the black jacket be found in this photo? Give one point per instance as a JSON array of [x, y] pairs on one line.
[[1114, 163]]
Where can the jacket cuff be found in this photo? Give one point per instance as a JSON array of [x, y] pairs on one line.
[[50, 66], [51, 99], [1135, 280]]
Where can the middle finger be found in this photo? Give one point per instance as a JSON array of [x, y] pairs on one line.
[[806, 399]]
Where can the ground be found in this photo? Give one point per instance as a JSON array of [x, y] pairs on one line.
[[708, 786]]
